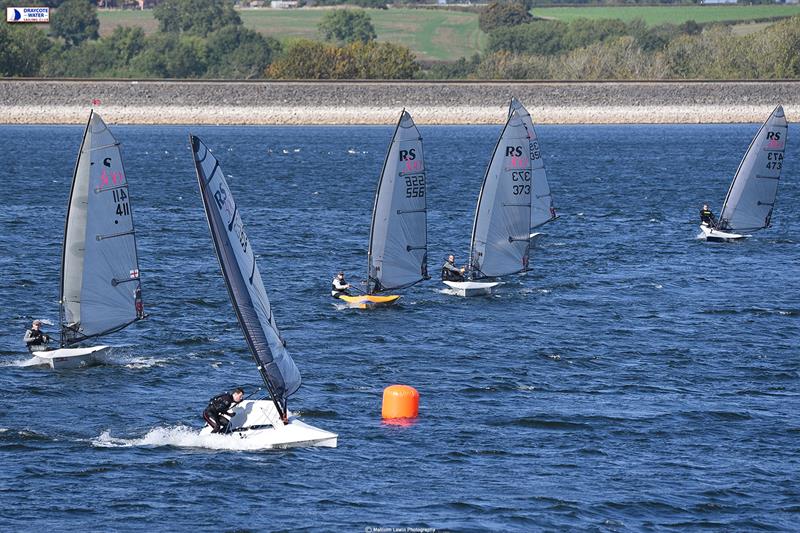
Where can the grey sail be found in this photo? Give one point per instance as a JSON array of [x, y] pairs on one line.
[[245, 286], [100, 287], [500, 234], [542, 210], [751, 198], [398, 243]]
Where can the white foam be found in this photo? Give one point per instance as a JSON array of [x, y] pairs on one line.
[[180, 437], [33, 361]]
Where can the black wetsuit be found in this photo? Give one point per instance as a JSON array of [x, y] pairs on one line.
[[35, 339], [451, 273], [217, 406], [706, 216]]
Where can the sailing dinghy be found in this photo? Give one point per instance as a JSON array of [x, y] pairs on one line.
[[267, 422], [500, 243], [398, 241], [542, 209], [100, 288], [751, 197]]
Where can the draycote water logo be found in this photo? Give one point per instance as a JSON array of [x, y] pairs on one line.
[[27, 14]]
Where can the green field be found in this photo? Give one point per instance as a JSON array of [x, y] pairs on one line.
[[431, 34], [654, 15], [447, 35]]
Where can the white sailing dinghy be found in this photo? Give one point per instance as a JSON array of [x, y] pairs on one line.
[[500, 243], [751, 197], [267, 422], [542, 209], [398, 240], [100, 287]]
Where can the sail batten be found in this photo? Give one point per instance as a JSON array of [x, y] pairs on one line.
[[503, 213], [243, 279], [397, 256], [99, 250], [751, 196]]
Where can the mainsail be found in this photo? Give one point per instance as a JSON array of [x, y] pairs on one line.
[[500, 234], [245, 286], [542, 210], [100, 287], [398, 242], [751, 197]]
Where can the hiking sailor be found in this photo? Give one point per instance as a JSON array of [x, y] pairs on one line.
[[707, 217], [339, 286], [450, 272], [35, 339], [218, 409]]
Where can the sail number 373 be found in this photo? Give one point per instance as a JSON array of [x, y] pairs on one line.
[[524, 177]]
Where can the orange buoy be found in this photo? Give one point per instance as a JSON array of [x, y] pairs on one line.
[[400, 401]]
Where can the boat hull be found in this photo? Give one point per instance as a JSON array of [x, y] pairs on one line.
[[66, 358], [258, 421], [713, 235], [472, 288], [369, 301]]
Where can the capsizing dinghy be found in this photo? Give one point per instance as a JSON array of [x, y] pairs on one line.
[[398, 240], [500, 243], [266, 422], [751, 197], [100, 287]]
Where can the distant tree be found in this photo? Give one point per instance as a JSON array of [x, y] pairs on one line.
[[75, 21], [197, 17], [237, 52], [541, 37], [347, 26], [21, 50], [171, 56], [499, 14], [583, 32]]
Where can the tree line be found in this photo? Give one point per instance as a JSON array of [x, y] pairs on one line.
[[206, 39]]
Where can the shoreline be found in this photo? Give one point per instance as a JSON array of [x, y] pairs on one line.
[[365, 103]]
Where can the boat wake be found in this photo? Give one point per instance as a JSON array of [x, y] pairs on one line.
[[32, 361], [131, 361], [179, 437]]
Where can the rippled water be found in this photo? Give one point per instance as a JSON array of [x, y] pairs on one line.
[[637, 378]]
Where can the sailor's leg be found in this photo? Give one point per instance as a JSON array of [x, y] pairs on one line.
[[212, 421]]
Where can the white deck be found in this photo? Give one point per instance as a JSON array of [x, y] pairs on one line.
[[472, 288], [258, 421], [65, 358]]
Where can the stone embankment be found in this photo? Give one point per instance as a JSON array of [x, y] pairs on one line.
[[270, 102]]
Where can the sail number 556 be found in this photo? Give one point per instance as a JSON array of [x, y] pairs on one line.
[[415, 186]]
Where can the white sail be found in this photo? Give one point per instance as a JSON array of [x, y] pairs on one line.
[[245, 286], [100, 287], [500, 234], [542, 210], [398, 244], [751, 198]]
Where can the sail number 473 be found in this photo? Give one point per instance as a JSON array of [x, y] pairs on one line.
[[415, 186], [774, 160]]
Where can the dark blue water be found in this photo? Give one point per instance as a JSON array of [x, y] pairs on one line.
[[638, 378]]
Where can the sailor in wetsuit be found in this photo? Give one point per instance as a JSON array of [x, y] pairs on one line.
[[218, 406], [707, 217], [450, 272], [35, 339], [339, 286]]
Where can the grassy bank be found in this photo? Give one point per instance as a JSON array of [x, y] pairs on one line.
[[444, 35]]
